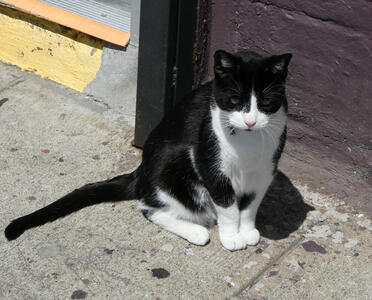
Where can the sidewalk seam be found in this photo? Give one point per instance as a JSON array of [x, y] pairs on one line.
[[274, 262]]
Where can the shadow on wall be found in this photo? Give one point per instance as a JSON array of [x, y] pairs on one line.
[[283, 209]]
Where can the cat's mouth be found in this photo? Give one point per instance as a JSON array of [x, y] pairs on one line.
[[234, 129]]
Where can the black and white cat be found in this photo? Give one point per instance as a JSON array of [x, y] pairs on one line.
[[210, 159]]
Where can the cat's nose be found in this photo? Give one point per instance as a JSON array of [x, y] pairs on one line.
[[250, 124]]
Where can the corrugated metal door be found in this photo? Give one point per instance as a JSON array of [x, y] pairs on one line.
[[113, 13]]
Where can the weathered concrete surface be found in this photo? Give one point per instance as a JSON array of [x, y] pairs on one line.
[[53, 140], [116, 81], [329, 84]]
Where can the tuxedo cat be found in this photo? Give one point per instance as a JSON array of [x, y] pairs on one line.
[[211, 158]]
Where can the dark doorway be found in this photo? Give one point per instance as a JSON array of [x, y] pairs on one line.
[[165, 60]]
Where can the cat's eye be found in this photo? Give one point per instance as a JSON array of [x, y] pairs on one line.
[[235, 100]]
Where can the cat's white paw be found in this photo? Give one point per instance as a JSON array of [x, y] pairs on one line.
[[198, 235], [233, 242], [251, 237]]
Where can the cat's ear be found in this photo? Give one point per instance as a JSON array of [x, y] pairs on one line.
[[278, 64], [224, 63]]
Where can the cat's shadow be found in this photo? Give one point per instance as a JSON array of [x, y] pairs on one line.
[[283, 209]]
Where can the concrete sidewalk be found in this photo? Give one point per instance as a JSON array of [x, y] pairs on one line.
[[53, 140]]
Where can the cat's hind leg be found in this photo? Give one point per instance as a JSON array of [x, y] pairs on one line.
[[164, 210], [194, 233]]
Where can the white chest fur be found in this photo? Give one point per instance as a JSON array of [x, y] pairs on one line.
[[246, 157]]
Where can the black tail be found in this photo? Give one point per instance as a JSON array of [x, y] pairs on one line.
[[119, 188]]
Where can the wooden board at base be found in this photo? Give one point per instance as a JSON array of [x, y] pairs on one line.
[[50, 50]]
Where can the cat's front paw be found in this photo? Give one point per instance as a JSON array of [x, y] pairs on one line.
[[251, 237], [233, 242], [198, 235]]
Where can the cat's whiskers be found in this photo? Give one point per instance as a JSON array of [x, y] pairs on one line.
[[270, 134], [225, 122], [263, 145], [274, 128], [271, 86], [238, 86], [276, 121]]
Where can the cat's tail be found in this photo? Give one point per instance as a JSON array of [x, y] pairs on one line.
[[119, 188]]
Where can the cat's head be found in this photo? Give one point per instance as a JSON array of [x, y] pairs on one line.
[[250, 89]]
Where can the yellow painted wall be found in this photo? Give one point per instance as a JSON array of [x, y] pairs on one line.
[[52, 51]]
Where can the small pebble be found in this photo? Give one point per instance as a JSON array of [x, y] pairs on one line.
[[311, 246], [229, 281], [160, 273], [188, 251], [108, 251], [79, 294], [273, 273]]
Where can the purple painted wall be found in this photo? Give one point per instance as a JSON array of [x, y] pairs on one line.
[[330, 82]]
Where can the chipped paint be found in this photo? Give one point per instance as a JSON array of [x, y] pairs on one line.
[[314, 215], [319, 199], [339, 216], [48, 49], [366, 223], [319, 231], [293, 265], [351, 243], [337, 237]]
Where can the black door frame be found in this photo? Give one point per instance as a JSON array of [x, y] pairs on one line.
[[165, 60]]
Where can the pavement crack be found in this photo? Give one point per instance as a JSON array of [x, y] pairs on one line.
[[277, 260], [11, 84], [2, 101], [28, 269], [97, 100]]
